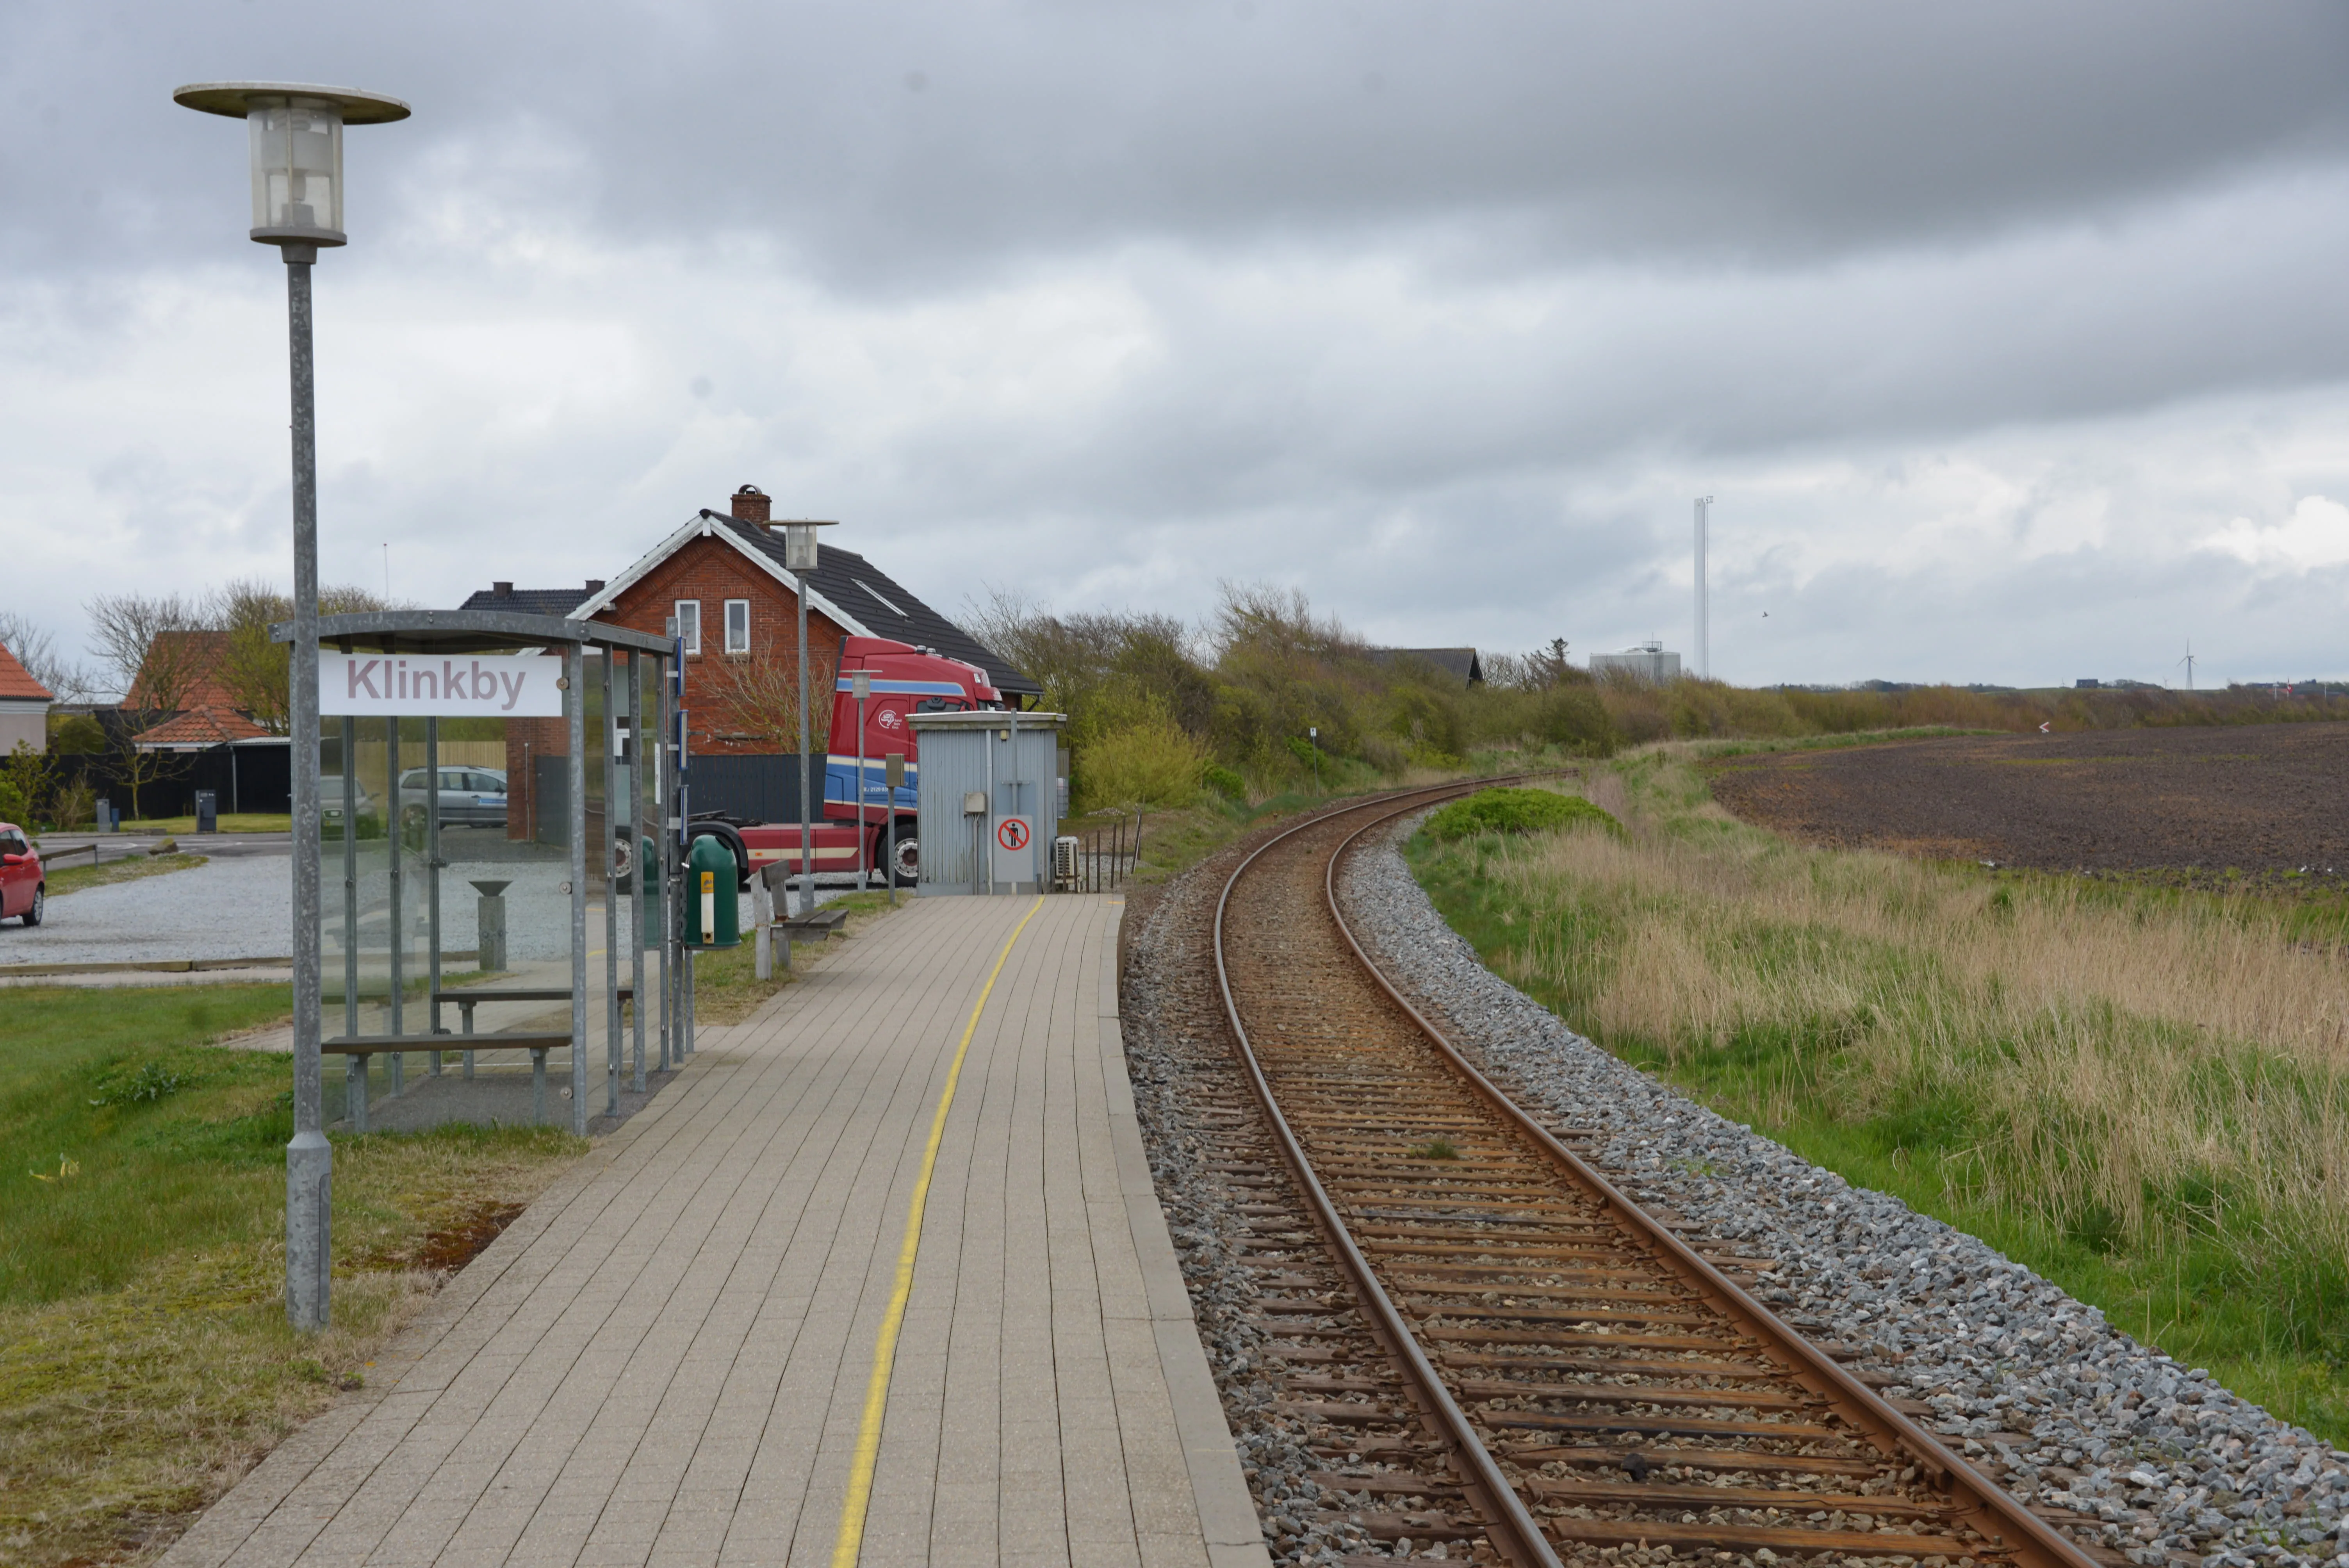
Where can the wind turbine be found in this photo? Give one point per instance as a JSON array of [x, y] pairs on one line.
[[2188, 662]]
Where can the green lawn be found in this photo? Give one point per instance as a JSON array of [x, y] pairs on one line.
[[61, 880], [230, 822], [144, 1356]]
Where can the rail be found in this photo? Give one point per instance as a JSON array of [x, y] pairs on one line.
[[1528, 1234]]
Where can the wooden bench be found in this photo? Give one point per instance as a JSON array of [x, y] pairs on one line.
[[368, 1046]]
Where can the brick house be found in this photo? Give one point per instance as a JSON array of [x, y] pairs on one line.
[[24, 707], [721, 576]]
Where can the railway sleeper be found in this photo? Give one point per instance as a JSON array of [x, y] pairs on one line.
[[1665, 1494], [1749, 1538], [1730, 1460], [1636, 1394], [1616, 1367], [1662, 1426]]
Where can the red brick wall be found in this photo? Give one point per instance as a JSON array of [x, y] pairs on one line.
[[713, 572]]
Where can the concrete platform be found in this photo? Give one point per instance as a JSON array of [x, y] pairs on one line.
[[670, 1359]]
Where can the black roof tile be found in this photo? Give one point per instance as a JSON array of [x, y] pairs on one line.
[[886, 607], [529, 601]]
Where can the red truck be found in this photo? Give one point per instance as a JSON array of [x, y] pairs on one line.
[[851, 834]]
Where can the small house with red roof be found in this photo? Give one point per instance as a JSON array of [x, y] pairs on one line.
[[24, 707], [181, 678]]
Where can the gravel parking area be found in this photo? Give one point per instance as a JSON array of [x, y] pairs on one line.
[[240, 908], [2155, 1460]]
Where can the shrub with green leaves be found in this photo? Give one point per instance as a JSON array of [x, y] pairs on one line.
[[1509, 810], [1152, 761], [1225, 782]]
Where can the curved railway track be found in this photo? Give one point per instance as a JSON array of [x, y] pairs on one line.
[[1497, 1347]]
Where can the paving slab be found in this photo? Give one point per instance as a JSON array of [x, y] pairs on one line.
[[668, 1360]]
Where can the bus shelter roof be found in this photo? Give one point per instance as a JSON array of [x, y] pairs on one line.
[[468, 631]]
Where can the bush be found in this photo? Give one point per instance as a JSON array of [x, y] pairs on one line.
[[23, 778], [1152, 761], [1576, 718], [1515, 812], [1225, 782]]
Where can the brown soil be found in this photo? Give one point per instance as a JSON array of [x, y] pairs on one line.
[[2251, 798]]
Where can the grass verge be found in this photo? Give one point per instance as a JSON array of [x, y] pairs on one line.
[[1173, 842], [230, 822], [145, 1362], [63, 880], [2140, 1092]]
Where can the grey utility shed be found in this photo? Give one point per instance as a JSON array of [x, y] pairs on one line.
[[990, 799]]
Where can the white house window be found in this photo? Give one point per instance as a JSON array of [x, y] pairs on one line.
[[738, 626], [689, 623]]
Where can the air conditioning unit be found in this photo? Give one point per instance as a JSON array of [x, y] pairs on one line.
[[1064, 863]]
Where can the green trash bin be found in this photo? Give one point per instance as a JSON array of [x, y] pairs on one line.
[[711, 916]]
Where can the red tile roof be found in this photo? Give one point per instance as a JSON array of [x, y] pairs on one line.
[[202, 726], [15, 681]]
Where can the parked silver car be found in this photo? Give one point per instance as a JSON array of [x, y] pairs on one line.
[[469, 796], [330, 802]]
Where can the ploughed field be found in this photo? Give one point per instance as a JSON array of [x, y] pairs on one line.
[[2253, 798]]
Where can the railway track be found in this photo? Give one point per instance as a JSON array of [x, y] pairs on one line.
[[1494, 1347]]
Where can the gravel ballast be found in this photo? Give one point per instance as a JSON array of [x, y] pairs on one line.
[[2153, 1459]]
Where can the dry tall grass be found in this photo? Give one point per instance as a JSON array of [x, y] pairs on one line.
[[2164, 1064]]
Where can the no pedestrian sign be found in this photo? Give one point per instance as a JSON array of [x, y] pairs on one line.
[[1015, 862]]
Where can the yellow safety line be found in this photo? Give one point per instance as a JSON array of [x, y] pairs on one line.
[[851, 1542]]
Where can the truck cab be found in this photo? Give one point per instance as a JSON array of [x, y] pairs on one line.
[[851, 833]]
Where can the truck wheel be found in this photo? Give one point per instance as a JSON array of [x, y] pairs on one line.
[[907, 868]]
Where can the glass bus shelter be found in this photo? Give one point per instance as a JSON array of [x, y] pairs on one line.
[[495, 861]]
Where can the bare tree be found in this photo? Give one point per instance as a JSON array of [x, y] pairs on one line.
[[757, 695], [135, 635], [36, 648], [252, 668]]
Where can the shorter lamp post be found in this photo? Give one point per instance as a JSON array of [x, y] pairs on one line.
[[295, 135], [860, 682], [799, 560]]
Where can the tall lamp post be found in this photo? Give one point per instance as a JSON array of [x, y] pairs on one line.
[[296, 139], [799, 560]]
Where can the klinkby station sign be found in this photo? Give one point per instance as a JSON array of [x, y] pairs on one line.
[[510, 686]]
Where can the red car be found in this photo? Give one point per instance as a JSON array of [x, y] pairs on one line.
[[22, 891]]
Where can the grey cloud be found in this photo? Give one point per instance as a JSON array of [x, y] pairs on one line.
[[1785, 132]]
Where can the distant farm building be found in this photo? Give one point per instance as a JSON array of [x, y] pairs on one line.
[[1648, 662]]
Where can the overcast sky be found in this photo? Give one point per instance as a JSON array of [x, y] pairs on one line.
[[2010, 338]]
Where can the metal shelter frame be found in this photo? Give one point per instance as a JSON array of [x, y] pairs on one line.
[[453, 632]]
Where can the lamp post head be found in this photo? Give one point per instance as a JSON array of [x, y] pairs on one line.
[[799, 546], [295, 133]]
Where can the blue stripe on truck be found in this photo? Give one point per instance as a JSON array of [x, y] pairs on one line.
[[908, 689], [840, 782]]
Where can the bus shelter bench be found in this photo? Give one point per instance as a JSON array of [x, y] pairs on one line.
[[368, 1046], [472, 997]]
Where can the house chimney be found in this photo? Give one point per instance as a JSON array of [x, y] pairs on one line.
[[595, 584], [752, 504], [502, 590]]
